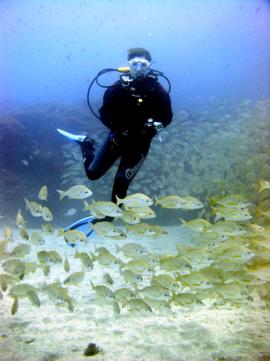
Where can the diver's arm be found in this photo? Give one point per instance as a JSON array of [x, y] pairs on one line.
[[106, 110], [163, 112], [111, 109]]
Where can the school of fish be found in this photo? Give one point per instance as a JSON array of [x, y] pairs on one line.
[[227, 260]]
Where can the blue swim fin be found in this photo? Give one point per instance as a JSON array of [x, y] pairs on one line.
[[75, 137], [81, 225]]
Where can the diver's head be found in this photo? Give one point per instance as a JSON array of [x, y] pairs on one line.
[[139, 61]]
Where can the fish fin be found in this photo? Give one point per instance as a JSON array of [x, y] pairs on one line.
[[118, 249], [118, 200], [61, 193], [212, 201]]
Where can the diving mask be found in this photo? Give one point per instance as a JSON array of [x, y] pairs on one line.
[[139, 67]]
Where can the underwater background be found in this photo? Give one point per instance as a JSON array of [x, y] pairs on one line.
[[216, 55]]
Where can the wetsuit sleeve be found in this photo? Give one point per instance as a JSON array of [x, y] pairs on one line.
[[163, 110], [109, 111]]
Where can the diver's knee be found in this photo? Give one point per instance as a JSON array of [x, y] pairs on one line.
[[92, 175]]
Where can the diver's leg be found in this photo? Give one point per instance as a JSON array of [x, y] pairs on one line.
[[131, 161], [87, 145], [96, 165]]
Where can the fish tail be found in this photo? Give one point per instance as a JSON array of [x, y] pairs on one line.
[[86, 205], [27, 203], [15, 305], [60, 232], [156, 200], [61, 193], [118, 200]]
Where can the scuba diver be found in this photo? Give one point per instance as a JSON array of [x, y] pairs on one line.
[[135, 109]]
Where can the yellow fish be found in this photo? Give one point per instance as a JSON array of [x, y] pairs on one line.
[[15, 267], [66, 264], [185, 299], [123, 295], [171, 201], [75, 278], [198, 225], [131, 277], [34, 208], [145, 229], [138, 266], [76, 192], [47, 229], [108, 229], [130, 217], [177, 202], [86, 260], [8, 232], [230, 201], [142, 212], [228, 228], [7, 280], [263, 184], [105, 208], [106, 258], [103, 292], [21, 250], [156, 292], [49, 257], [158, 305], [174, 263], [33, 298], [20, 221], [37, 238], [47, 214], [23, 233], [197, 280], [231, 214], [136, 305], [15, 305], [59, 294], [21, 290], [166, 281], [72, 236], [132, 250], [107, 278], [43, 193], [135, 200]]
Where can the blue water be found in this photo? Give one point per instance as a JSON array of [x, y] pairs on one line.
[[215, 53], [51, 49]]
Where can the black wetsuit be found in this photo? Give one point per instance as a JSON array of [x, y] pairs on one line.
[[127, 105]]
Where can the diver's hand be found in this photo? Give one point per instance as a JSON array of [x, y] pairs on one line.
[[149, 132], [118, 136], [152, 128]]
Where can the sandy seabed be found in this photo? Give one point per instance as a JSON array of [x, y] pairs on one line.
[[196, 333]]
